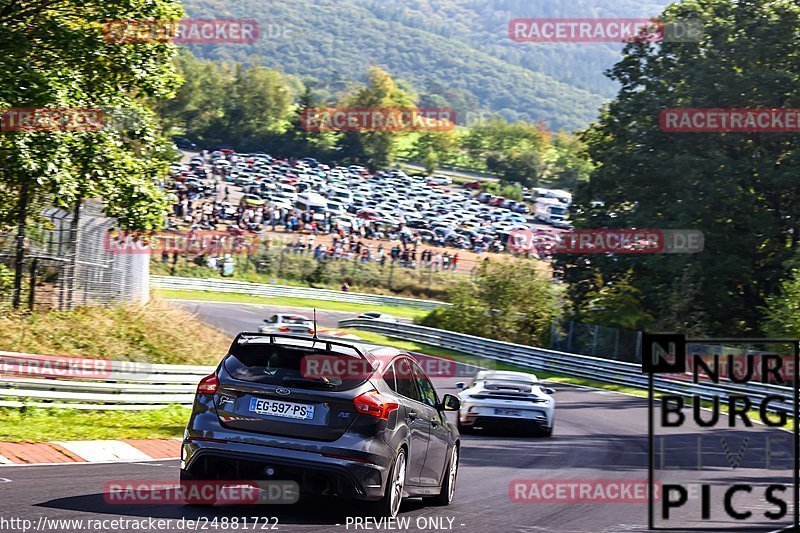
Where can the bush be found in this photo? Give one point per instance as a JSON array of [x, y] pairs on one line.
[[505, 301]]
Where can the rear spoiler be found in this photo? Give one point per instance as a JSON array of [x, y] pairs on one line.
[[246, 336]]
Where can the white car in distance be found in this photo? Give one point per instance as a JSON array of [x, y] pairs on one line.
[[288, 323], [494, 399]]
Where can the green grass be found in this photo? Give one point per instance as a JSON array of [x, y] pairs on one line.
[[152, 333], [42, 425], [402, 312]]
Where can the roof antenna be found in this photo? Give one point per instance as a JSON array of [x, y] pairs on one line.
[[315, 323]]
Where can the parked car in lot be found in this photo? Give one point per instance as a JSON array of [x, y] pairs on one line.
[[504, 398], [287, 323], [251, 200], [377, 432]]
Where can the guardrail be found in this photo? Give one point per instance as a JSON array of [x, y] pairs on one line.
[[275, 291], [573, 365], [45, 381], [138, 386]]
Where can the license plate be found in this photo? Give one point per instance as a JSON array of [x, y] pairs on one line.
[[508, 412], [284, 409]]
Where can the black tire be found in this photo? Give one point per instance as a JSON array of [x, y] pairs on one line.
[[191, 495], [389, 505], [445, 496], [462, 428], [547, 432]]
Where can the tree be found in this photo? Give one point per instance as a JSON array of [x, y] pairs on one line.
[[740, 189], [567, 163], [300, 140], [510, 301], [515, 152], [435, 147], [782, 310], [59, 57], [262, 107], [615, 304], [376, 148]]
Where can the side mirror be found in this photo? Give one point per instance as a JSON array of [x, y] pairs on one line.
[[451, 403], [266, 320], [460, 385], [549, 391]]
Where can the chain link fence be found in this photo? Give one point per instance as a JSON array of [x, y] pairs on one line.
[[597, 341], [68, 264]]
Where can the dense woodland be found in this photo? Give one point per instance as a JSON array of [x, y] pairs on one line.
[[456, 53]]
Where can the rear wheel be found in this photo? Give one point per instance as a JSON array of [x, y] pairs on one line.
[[449, 482], [389, 505]]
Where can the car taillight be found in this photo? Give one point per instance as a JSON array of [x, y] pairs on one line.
[[373, 404], [208, 385], [284, 328]]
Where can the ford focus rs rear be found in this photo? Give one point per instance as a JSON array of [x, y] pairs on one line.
[[334, 418]]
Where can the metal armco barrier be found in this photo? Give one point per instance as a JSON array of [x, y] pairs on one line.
[[44, 381], [137, 386], [275, 291], [567, 364]]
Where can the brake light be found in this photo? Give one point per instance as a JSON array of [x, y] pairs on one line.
[[284, 329], [208, 385], [373, 404]]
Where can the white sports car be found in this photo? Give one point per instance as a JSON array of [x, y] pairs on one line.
[[288, 323], [496, 398]]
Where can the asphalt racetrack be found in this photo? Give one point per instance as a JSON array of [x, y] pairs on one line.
[[599, 437]]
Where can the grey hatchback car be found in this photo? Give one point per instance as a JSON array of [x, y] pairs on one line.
[[335, 417]]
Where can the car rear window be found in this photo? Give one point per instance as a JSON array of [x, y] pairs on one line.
[[297, 366]]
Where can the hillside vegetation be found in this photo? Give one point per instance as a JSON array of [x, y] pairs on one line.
[[457, 53], [153, 333]]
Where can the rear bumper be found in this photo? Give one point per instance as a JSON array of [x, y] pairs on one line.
[[504, 422], [315, 473], [482, 415]]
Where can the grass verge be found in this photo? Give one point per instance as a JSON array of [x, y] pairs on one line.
[[402, 312], [152, 333], [42, 425]]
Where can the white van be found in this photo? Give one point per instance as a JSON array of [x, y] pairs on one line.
[[311, 201]]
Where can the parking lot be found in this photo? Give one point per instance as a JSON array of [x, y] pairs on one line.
[[340, 212]]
